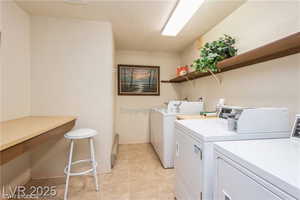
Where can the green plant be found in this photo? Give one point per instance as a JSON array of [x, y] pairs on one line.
[[214, 52]]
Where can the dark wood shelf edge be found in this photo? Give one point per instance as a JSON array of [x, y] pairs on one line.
[[284, 47]]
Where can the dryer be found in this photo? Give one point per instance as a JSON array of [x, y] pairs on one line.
[[264, 169], [194, 157]]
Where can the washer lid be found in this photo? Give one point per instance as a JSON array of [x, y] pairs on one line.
[[276, 160]]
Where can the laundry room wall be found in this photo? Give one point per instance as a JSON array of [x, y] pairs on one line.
[[272, 83], [132, 112], [72, 74], [15, 82]]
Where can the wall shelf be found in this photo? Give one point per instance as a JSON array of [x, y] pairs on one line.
[[280, 48]]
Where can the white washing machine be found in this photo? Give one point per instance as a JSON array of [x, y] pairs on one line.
[[162, 130], [194, 157], [260, 170]]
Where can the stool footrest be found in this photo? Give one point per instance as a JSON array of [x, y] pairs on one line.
[[83, 172]]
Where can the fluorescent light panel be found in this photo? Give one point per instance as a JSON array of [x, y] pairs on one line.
[[183, 12]]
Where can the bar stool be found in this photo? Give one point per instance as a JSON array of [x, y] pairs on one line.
[[77, 135]]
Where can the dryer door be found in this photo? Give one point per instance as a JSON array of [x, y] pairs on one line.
[[188, 167]]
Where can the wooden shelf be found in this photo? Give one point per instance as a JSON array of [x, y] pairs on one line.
[[277, 49]]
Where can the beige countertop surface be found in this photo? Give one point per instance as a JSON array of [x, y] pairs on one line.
[[186, 117], [16, 131]]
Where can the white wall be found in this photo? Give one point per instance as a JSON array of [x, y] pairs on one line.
[[272, 83], [72, 75], [132, 116], [1, 63], [15, 81], [16, 61]]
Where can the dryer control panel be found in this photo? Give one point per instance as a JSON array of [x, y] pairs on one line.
[[256, 120]]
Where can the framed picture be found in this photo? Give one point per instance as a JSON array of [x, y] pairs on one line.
[[138, 80]]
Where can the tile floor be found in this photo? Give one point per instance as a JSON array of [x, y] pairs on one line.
[[137, 175]]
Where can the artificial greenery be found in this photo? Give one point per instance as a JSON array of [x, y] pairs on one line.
[[214, 52]]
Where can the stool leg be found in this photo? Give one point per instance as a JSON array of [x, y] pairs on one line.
[[69, 169], [94, 163]]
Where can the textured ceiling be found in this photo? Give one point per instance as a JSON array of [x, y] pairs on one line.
[[137, 23]]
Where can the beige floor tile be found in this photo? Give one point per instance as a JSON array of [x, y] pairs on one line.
[[137, 175]]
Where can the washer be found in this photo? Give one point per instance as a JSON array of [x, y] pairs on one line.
[[194, 157], [263, 169], [162, 135], [162, 130]]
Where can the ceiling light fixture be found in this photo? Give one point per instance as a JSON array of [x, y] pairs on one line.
[[183, 12]]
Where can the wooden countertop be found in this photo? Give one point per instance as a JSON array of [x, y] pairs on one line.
[[185, 117], [13, 132]]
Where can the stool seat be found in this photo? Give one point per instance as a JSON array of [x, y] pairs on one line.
[[80, 134]]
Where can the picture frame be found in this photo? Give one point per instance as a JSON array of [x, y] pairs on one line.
[[138, 80]]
